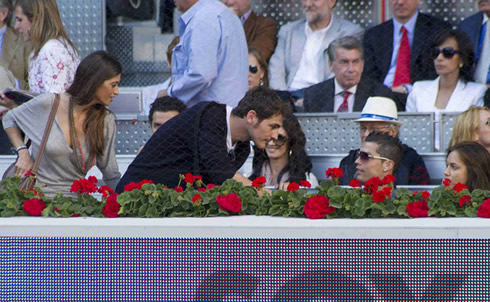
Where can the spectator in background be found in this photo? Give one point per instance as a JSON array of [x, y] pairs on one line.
[[300, 58], [150, 93], [346, 92], [380, 115], [163, 109], [257, 70], [477, 27], [284, 159], [472, 125], [396, 51], [14, 52], [55, 58], [260, 32], [380, 155], [210, 62], [486, 98], [468, 163], [453, 90]]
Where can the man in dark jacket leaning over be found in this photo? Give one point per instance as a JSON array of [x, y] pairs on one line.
[[209, 139], [380, 115]]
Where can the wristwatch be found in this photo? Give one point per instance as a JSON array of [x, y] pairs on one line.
[[20, 148]]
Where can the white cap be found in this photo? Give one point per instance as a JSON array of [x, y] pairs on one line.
[[379, 109]]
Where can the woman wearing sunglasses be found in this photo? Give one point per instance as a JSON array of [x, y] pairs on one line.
[[284, 160], [453, 56], [257, 70]]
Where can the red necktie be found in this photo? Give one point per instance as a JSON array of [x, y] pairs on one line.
[[345, 106], [402, 72]]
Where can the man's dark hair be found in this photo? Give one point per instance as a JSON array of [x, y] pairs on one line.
[[347, 42], [165, 104], [388, 146], [264, 101]]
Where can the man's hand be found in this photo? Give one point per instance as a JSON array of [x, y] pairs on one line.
[[162, 93], [400, 89], [6, 102]]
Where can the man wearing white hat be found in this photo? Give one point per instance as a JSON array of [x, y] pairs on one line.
[[380, 115]]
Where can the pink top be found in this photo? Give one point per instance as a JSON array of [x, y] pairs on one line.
[[53, 69]]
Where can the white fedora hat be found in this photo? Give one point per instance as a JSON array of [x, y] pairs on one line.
[[379, 109]]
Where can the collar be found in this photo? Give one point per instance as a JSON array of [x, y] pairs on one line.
[[409, 26], [245, 16], [339, 89], [229, 143], [484, 19], [309, 31], [3, 30], [189, 14]]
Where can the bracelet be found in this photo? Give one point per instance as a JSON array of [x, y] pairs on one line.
[[20, 148]]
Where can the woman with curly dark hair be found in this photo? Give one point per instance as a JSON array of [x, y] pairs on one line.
[[284, 160]]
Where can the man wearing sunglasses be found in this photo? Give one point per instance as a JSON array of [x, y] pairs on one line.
[[380, 115], [477, 27], [380, 155], [396, 51]]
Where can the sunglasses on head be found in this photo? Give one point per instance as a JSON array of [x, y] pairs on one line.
[[253, 69], [364, 156], [281, 140], [447, 52]]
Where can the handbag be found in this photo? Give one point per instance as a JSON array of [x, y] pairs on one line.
[[28, 182]]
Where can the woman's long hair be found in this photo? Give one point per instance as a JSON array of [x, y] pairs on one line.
[[477, 162], [466, 125], [92, 72], [299, 164], [46, 23]]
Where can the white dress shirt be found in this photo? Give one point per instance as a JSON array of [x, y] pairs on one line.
[[339, 97]]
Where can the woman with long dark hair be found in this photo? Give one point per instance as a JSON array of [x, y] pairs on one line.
[[83, 132], [284, 159]]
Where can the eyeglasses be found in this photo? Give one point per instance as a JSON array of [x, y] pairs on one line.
[[447, 52], [281, 140], [373, 129], [253, 69], [364, 156]]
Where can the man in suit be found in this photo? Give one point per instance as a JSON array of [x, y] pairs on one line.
[[346, 92], [397, 51], [209, 139], [300, 58], [14, 53], [260, 32], [477, 27]]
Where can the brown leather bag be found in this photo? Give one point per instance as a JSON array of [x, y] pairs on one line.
[[28, 182]]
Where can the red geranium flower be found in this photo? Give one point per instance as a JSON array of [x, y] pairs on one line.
[[293, 187], [111, 207], [230, 202], [105, 191], [379, 196], [387, 191], [305, 183], [389, 179], [425, 195], [196, 198], [93, 179], [334, 172], [484, 210], [132, 186], [34, 206], [446, 182], [28, 173], [355, 183], [464, 199], [372, 185], [189, 178], [210, 186], [179, 189], [460, 187], [259, 182], [75, 215], [418, 209], [317, 207], [83, 186], [201, 189]]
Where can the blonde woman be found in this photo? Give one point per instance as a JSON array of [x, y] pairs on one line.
[[54, 59], [472, 125]]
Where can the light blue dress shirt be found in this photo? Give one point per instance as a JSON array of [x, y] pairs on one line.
[[211, 61], [3, 30], [397, 38]]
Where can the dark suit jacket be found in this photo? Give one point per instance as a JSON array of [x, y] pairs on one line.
[[378, 49], [261, 34], [472, 27], [320, 97], [15, 56], [192, 142]]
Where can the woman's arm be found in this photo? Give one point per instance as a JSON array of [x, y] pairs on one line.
[[24, 162]]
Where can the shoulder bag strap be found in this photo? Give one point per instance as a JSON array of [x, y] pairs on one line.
[[47, 131]]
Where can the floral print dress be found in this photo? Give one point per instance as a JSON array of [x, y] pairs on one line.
[[54, 68]]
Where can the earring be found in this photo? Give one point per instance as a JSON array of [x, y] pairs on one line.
[[384, 170], [460, 65], [290, 153], [261, 82]]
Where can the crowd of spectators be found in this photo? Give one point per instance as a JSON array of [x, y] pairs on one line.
[[412, 62]]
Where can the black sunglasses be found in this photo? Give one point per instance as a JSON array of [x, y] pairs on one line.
[[253, 69], [364, 156], [447, 52]]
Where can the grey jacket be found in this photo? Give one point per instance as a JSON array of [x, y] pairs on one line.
[[284, 62]]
